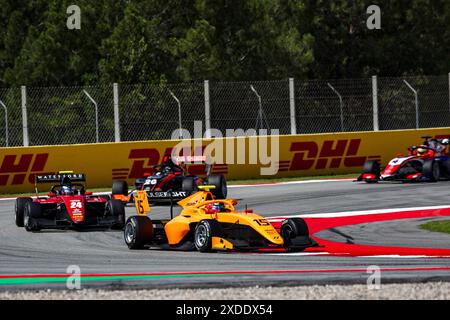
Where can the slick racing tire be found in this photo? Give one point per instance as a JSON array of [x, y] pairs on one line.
[[445, 169], [205, 230], [431, 170], [32, 212], [188, 185], [220, 183], [295, 231], [138, 232], [373, 167], [120, 187], [116, 209], [19, 209]]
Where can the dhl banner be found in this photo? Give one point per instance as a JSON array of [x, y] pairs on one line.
[[299, 155]]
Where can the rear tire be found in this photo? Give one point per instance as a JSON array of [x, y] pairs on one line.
[[445, 169], [372, 166], [431, 170], [295, 231], [138, 232], [31, 213], [120, 187], [188, 185], [116, 209], [220, 183], [203, 234], [19, 209]]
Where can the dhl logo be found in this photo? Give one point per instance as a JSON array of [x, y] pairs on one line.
[[144, 159], [330, 155], [15, 169], [309, 155]]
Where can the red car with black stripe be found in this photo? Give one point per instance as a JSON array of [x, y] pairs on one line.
[[67, 205], [170, 181]]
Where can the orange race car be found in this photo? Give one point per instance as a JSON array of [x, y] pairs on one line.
[[208, 224]]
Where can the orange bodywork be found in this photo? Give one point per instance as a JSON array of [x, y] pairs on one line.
[[120, 197], [194, 210]]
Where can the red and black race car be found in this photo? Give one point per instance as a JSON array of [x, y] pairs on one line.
[[426, 162], [68, 205], [170, 181]]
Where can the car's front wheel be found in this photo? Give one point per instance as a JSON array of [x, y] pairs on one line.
[[372, 167], [295, 233], [205, 230], [138, 232]]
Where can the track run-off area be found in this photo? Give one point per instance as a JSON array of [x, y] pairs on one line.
[[358, 226]]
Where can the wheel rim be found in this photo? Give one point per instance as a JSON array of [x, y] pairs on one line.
[[129, 233], [201, 236]]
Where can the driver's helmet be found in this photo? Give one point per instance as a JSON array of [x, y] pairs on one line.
[[215, 207], [65, 190], [421, 151]]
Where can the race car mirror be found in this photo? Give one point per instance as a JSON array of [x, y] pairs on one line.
[[141, 203]]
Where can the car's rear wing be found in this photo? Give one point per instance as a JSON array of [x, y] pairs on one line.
[[55, 178], [183, 160], [190, 159]]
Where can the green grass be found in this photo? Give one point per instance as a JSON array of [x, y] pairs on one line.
[[230, 182], [437, 226]]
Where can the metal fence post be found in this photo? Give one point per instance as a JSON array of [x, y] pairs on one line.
[[116, 113], [292, 105], [261, 118], [179, 114], [6, 124], [376, 126], [341, 103], [416, 95], [26, 142], [207, 111], [96, 114]]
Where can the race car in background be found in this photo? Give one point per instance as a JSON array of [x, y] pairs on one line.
[[169, 181], [426, 162], [208, 224], [67, 205]]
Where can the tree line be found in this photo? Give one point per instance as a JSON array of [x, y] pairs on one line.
[[169, 41]]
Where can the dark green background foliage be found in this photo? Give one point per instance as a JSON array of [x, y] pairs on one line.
[[161, 41]]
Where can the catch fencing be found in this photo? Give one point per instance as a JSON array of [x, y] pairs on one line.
[[123, 112]]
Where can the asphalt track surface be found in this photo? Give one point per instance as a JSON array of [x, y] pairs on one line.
[[100, 252]]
